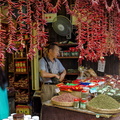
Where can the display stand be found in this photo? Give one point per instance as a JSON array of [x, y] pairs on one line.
[[53, 112]]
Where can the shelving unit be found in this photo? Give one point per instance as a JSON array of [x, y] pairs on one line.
[[69, 58], [22, 77]]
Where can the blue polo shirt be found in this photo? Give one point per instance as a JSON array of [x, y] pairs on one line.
[[56, 67]]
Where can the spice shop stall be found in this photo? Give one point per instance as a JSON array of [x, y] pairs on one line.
[[95, 98]]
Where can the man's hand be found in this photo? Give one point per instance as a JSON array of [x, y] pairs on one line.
[[57, 76], [62, 76]]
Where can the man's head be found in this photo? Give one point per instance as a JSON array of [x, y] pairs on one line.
[[53, 50]]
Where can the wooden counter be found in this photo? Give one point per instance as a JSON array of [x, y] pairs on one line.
[[54, 112]]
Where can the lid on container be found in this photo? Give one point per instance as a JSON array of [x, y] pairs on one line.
[[84, 91], [18, 115], [76, 99], [83, 101]]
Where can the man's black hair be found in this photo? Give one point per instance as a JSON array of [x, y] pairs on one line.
[[51, 46]]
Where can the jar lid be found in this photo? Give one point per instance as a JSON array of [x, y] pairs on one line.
[[84, 91], [83, 101], [18, 115], [76, 99]]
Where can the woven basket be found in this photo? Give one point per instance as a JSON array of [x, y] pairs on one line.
[[98, 110], [75, 93], [68, 104]]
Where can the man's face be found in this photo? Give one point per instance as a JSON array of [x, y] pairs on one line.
[[55, 52]]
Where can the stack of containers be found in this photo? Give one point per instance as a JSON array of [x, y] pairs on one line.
[[20, 116], [84, 97]]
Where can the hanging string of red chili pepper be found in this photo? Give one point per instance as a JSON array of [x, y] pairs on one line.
[[21, 24], [31, 52], [2, 38], [118, 6], [11, 28], [91, 37], [51, 8], [110, 8], [41, 36], [116, 31]]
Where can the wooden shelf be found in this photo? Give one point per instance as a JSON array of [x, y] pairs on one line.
[[11, 71], [21, 72], [26, 88], [20, 102], [72, 57], [20, 58], [72, 73]]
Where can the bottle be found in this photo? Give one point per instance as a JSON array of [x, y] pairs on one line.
[[76, 103]]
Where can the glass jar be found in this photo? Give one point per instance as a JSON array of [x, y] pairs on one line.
[[23, 63], [84, 94], [18, 117], [83, 104], [65, 53], [76, 103], [20, 63], [24, 69], [17, 69]]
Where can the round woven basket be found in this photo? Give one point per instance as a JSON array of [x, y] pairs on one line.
[[98, 110], [68, 104]]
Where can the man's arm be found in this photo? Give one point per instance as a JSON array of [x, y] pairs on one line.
[[45, 74], [62, 76]]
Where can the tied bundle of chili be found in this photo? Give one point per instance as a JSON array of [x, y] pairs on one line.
[[41, 37], [11, 28], [2, 38], [31, 52], [50, 7], [21, 22]]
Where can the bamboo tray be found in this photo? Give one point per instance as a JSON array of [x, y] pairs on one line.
[[67, 104], [98, 110]]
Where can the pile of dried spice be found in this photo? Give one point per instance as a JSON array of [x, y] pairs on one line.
[[104, 102]]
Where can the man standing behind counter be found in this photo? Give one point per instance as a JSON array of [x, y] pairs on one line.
[[50, 67]]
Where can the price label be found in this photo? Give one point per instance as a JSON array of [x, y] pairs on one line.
[[57, 90], [101, 66]]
